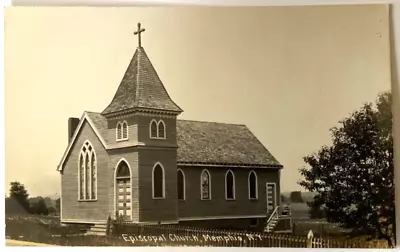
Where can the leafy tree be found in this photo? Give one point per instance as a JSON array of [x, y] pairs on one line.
[[19, 195], [51, 210], [39, 207], [317, 213], [296, 197], [353, 178]]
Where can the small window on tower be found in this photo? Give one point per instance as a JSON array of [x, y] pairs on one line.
[[122, 131], [153, 129], [161, 129]]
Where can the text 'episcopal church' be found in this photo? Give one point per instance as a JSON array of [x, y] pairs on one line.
[[137, 161]]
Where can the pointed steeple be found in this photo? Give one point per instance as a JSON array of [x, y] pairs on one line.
[[141, 88]]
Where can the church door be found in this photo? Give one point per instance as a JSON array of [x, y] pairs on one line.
[[271, 197], [123, 191]]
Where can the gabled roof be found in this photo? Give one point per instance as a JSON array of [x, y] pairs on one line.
[[199, 143], [220, 143], [99, 125], [141, 88]]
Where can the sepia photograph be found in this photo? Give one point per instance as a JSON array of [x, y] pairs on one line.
[[199, 126]]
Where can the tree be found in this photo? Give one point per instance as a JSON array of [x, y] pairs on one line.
[[317, 213], [19, 194], [296, 197], [51, 210], [38, 206], [353, 178]]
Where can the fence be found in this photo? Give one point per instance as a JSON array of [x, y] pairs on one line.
[[176, 235]]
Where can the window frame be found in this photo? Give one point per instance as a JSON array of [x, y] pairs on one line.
[[209, 185], [121, 126], [83, 154], [249, 185], [157, 135], [183, 184], [233, 185], [158, 164]]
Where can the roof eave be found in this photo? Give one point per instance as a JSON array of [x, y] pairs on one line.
[[243, 165], [140, 109]]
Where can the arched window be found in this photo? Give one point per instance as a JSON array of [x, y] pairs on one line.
[[181, 185], [87, 175], [119, 131], [153, 129], [158, 182], [122, 131], [161, 129], [157, 129], [123, 170], [229, 185], [253, 188], [205, 183]]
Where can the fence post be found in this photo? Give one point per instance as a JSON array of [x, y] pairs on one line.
[[310, 237], [108, 225]]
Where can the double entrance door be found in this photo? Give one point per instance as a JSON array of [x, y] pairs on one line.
[[124, 203]]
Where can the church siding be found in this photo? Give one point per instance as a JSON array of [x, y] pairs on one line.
[[130, 155], [155, 210], [193, 206], [72, 209]]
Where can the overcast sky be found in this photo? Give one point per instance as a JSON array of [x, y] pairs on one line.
[[288, 73]]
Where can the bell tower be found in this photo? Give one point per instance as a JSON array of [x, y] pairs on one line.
[[142, 119]]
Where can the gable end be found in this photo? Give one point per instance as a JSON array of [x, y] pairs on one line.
[[84, 118]]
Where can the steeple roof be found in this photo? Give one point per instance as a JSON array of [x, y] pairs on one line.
[[141, 87]]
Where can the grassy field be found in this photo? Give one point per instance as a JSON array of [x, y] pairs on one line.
[[43, 229], [302, 224]]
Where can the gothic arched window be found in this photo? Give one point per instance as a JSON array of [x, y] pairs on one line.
[[158, 181], [253, 185], [181, 185], [205, 183], [161, 129], [87, 175], [122, 131], [153, 129], [229, 185]]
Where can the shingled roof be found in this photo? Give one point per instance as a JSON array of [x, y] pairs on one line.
[[141, 88], [210, 142]]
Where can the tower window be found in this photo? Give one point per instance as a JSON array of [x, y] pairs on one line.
[[122, 131], [157, 129]]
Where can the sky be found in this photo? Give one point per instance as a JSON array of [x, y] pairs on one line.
[[288, 73]]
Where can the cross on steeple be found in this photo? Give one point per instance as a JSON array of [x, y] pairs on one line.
[[138, 33]]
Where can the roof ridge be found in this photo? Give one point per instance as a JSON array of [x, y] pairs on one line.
[[213, 122], [87, 111]]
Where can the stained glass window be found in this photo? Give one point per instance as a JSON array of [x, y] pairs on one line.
[[205, 185]]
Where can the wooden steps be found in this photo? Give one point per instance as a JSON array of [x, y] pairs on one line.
[[99, 229]]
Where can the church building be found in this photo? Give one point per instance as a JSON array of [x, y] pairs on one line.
[[137, 161]]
